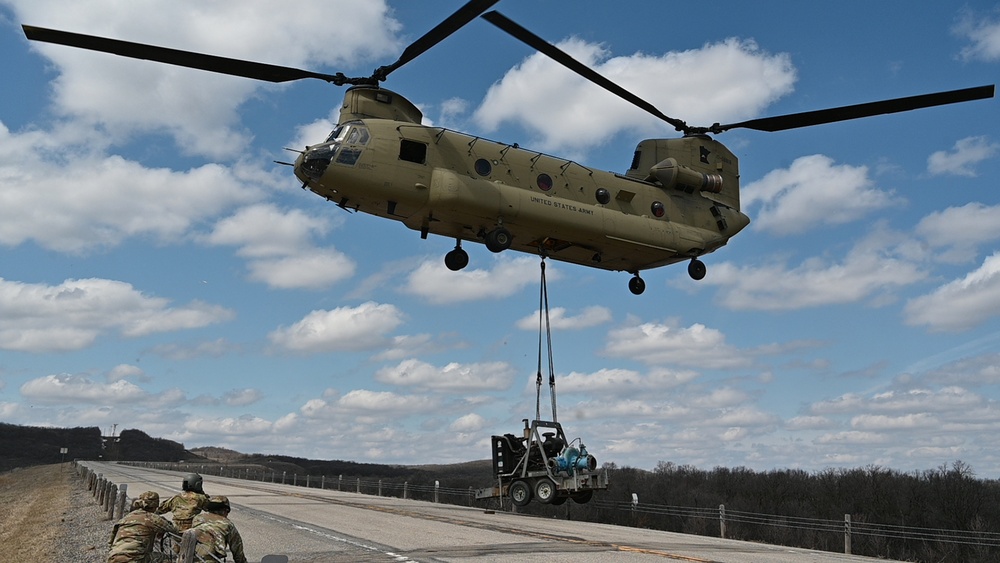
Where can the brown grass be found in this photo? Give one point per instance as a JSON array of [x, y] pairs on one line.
[[34, 501]]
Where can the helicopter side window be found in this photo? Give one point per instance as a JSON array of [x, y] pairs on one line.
[[412, 151], [544, 182]]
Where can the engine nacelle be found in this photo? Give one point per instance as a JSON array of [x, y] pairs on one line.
[[674, 175]]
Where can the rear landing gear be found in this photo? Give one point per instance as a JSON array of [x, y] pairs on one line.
[[696, 269], [636, 285], [457, 258]]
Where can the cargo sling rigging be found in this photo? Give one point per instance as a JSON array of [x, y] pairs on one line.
[[543, 326]]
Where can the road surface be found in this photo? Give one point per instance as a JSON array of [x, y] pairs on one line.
[[322, 525]]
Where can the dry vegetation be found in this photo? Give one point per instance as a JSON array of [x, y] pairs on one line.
[[34, 502]]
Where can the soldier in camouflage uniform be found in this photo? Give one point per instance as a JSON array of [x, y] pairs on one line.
[[133, 536], [215, 532], [187, 504]]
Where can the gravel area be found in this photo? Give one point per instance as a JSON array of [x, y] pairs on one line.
[[84, 530]]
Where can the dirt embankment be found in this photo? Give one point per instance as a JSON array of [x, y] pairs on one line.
[[48, 515]]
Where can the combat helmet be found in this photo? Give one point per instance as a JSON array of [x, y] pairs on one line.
[[192, 482], [217, 504], [147, 501]]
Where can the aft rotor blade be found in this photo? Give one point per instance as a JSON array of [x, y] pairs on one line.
[[819, 117], [211, 63], [561, 57], [470, 11]]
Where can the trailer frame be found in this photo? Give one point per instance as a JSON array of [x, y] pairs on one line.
[[526, 467]]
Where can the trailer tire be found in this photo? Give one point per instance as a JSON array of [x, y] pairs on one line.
[[545, 490], [520, 493], [583, 497]]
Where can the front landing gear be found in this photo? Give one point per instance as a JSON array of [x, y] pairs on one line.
[[696, 269], [457, 258], [636, 285]]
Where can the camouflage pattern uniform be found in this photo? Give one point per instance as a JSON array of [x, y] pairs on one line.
[[184, 506], [133, 536], [215, 532]]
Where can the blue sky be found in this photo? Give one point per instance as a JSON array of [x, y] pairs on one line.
[[158, 271]]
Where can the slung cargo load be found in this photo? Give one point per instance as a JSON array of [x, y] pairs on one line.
[[542, 464]]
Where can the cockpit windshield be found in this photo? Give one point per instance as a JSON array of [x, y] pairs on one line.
[[338, 134], [354, 133], [343, 145]]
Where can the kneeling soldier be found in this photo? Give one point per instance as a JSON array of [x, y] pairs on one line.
[[215, 532], [133, 536]]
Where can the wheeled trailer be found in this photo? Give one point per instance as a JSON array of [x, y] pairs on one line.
[[542, 464]]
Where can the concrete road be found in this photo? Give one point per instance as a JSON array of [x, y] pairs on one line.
[[315, 525]]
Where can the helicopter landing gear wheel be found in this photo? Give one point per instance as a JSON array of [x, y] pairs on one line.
[[636, 285], [456, 259], [499, 239], [696, 269], [520, 493], [545, 490]]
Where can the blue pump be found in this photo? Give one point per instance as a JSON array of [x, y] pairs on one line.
[[573, 459]]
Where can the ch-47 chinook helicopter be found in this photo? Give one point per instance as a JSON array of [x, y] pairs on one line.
[[678, 200]]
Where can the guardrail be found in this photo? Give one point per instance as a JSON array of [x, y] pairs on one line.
[[727, 519], [850, 529]]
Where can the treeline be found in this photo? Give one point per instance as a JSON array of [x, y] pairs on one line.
[[330, 468], [24, 446], [136, 445], [949, 497]]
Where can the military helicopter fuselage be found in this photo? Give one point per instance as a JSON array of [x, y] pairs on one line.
[[678, 200]]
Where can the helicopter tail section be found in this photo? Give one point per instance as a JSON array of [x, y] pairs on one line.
[[691, 164]]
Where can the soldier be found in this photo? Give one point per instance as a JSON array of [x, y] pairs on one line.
[[215, 532], [185, 505], [133, 536]]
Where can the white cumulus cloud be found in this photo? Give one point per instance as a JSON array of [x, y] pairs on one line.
[[345, 328]]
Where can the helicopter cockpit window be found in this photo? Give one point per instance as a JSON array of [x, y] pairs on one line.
[[357, 136], [348, 156], [412, 151], [337, 134]]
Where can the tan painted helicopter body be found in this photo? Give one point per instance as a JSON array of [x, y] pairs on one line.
[[679, 200]]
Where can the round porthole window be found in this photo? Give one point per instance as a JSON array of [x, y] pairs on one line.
[[483, 167], [603, 196], [544, 182], [657, 209]]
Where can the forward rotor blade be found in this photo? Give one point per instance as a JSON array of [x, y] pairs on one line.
[[470, 11], [211, 63], [819, 117], [561, 57]]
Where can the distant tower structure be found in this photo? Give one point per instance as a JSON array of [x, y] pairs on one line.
[[110, 446]]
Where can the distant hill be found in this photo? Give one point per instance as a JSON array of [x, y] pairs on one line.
[[221, 455]]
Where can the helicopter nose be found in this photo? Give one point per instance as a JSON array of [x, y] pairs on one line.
[[316, 159]]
